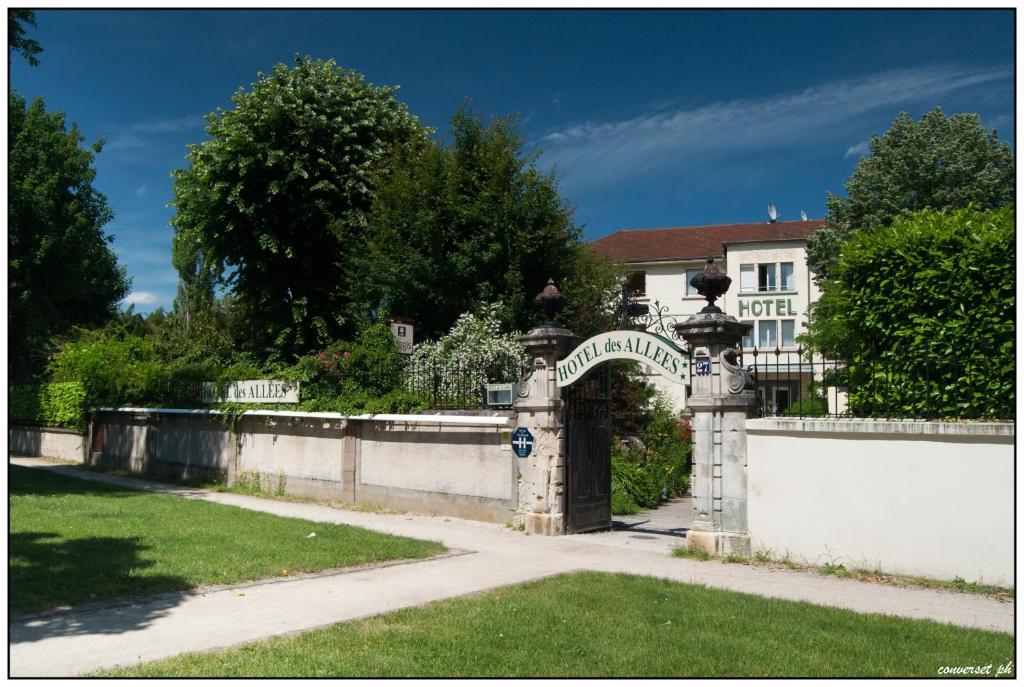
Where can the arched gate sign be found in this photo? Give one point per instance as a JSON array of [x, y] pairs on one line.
[[653, 350]]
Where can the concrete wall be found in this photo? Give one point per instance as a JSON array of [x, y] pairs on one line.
[[53, 442], [411, 466], [928, 499], [459, 465]]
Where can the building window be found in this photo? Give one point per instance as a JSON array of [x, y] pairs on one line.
[[690, 274], [788, 281], [747, 282], [767, 334], [637, 284], [766, 277], [748, 338], [788, 329]]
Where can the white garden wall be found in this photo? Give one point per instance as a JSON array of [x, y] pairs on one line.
[[928, 499], [460, 465], [55, 442]]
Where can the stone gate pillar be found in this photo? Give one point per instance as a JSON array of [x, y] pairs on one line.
[[722, 398], [539, 408]]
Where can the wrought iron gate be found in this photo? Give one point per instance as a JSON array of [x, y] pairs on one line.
[[588, 431]]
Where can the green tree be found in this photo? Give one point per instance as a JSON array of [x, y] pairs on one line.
[[274, 205], [16, 38], [922, 311], [938, 163], [61, 270], [468, 221]]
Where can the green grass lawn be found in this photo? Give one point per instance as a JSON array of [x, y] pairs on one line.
[[73, 541], [599, 624]]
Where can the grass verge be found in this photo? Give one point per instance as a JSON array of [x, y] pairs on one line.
[[73, 541], [599, 624], [765, 559]]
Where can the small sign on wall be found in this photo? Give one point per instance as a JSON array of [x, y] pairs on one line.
[[702, 366], [253, 391], [522, 442]]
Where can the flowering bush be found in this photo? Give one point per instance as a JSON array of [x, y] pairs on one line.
[[371, 363], [329, 365], [472, 354]]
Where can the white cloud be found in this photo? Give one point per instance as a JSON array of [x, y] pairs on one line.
[[859, 149], [141, 190], [599, 153], [141, 298], [138, 135]]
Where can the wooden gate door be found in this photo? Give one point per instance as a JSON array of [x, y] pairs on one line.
[[588, 466]]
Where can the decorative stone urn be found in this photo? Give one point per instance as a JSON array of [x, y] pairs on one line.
[[722, 398]]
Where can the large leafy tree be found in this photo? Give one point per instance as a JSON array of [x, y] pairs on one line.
[[468, 221], [274, 205], [61, 270], [938, 163]]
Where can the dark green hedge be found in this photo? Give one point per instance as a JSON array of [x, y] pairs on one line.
[[58, 404], [923, 312]]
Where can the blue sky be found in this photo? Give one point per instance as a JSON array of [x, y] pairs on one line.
[[652, 118]]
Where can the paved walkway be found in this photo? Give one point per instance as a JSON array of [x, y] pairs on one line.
[[87, 639]]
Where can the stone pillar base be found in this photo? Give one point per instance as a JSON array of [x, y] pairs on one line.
[[543, 523], [719, 543]]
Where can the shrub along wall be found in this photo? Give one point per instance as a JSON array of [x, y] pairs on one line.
[[923, 313], [57, 404]]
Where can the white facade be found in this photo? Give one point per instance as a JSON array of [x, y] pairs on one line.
[[771, 289]]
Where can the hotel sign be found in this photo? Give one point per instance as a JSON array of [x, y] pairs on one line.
[[659, 353], [253, 391], [766, 307]]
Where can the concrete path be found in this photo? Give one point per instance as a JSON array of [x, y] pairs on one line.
[[87, 639]]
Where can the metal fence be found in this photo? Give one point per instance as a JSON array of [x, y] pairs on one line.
[[801, 384], [453, 385]]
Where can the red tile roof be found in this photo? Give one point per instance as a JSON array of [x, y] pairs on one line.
[[684, 243]]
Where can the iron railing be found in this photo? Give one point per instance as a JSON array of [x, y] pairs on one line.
[[454, 385], [804, 384]]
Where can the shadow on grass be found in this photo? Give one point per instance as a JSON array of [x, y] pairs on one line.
[[55, 481], [48, 572], [47, 481]]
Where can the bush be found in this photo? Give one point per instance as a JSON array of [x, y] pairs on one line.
[[472, 354], [125, 369], [669, 447], [633, 488], [360, 402], [59, 404], [813, 404], [660, 467], [370, 367], [808, 406], [923, 313]]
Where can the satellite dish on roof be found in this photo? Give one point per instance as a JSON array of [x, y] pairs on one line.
[[773, 214], [803, 215]]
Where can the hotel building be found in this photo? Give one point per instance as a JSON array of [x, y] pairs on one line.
[[771, 287]]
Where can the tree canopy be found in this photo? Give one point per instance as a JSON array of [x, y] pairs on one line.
[[16, 38], [275, 204], [468, 221], [61, 270], [938, 163]]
